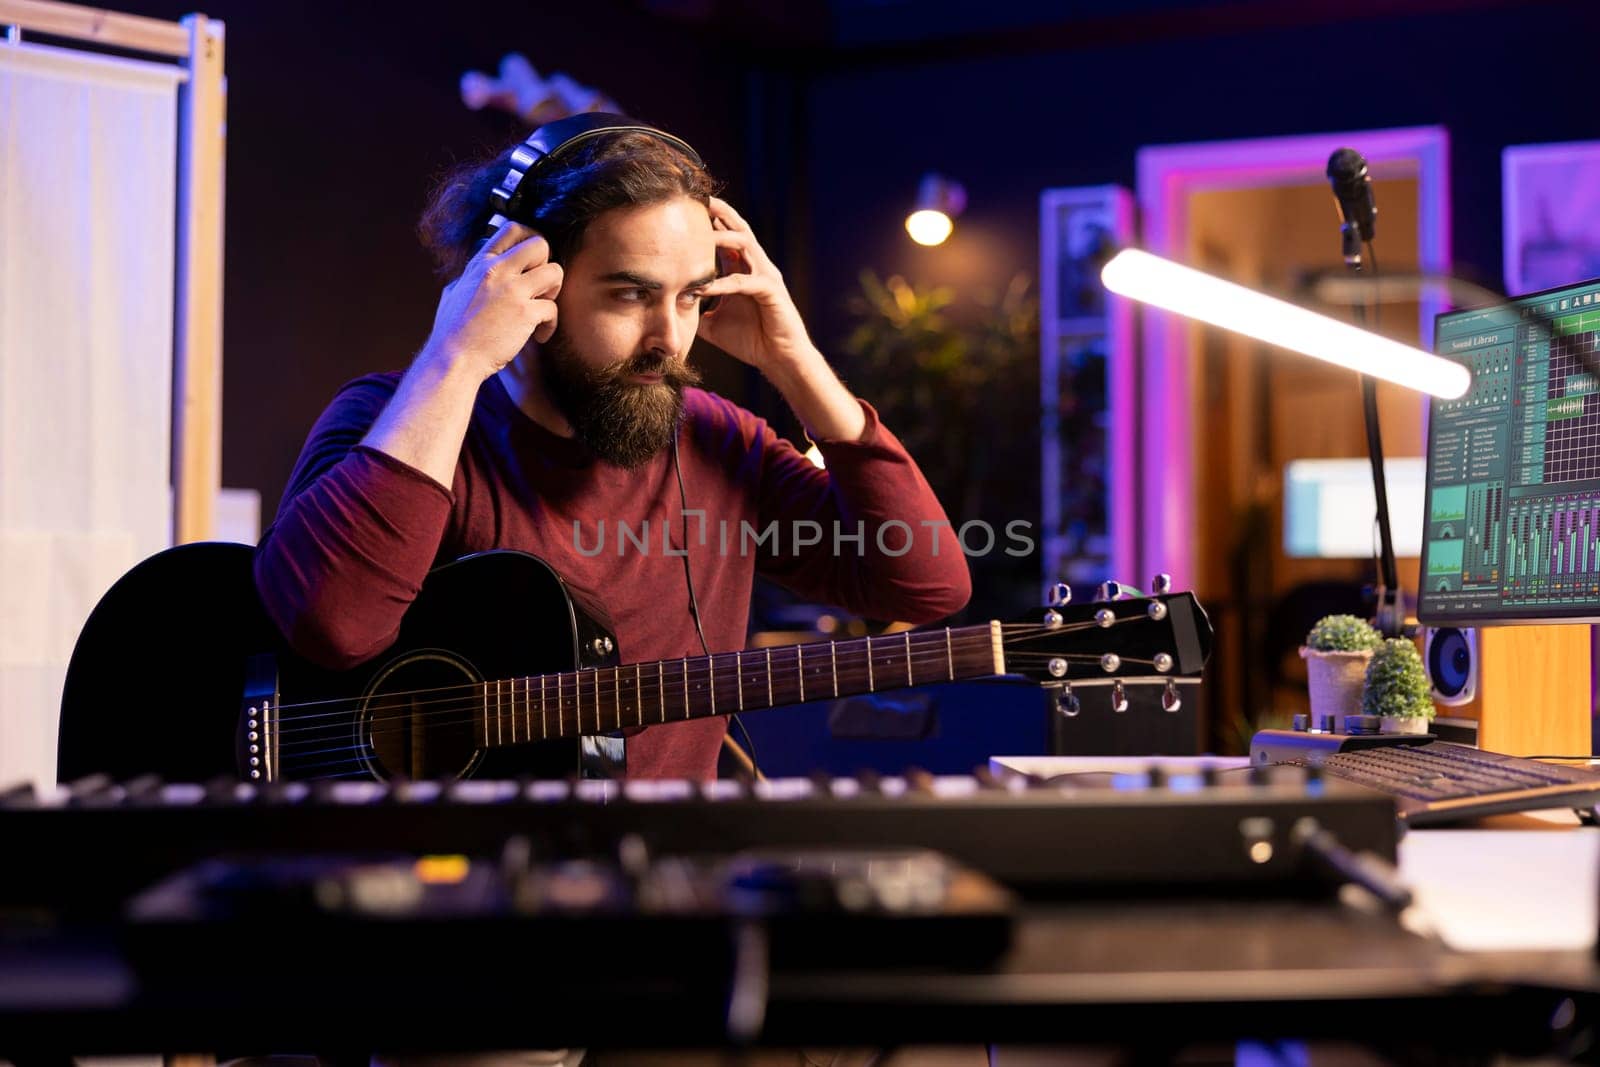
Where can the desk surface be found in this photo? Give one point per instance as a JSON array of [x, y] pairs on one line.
[[1112, 971], [1524, 883]]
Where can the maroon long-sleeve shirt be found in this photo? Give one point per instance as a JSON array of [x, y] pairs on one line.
[[358, 531]]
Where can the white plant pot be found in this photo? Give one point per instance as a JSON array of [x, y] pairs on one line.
[[1335, 680], [1408, 724]]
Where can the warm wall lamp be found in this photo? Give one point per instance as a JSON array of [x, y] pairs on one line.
[[939, 201]]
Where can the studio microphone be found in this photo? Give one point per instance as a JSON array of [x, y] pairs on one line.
[[1352, 188]]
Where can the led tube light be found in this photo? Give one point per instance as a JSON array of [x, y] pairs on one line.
[[1197, 295]]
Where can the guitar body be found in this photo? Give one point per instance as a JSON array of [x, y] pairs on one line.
[[178, 666], [501, 668]]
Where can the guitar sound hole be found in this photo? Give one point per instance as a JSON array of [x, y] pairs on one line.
[[423, 718]]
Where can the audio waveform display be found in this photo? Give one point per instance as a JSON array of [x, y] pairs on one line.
[[1552, 550]]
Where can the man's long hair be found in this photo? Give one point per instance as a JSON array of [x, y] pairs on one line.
[[620, 170]]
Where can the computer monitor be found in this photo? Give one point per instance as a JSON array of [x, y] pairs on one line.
[[1511, 524]]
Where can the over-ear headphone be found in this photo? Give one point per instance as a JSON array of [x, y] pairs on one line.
[[549, 143], [545, 147]]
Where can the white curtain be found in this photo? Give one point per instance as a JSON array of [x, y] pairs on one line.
[[88, 172]]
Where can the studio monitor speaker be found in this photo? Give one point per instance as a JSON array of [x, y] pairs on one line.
[[1525, 688], [1451, 655]]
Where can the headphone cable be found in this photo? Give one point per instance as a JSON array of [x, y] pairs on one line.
[[694, 604]]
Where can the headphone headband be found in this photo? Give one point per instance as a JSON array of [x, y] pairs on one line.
[[555, 139]]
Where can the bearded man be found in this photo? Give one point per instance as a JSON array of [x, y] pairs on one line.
[[554, 399]]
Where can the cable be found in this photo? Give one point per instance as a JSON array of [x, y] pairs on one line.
[[1389, 615], [1365, 869], [750, 747], [694, 604], [1374, 306]]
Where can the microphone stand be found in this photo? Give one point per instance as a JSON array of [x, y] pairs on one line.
[[1390, 616]]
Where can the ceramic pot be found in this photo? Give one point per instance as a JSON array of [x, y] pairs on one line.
[[1336, 680], [1407, 724]]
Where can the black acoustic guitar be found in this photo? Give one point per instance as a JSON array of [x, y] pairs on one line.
[[499, 667]]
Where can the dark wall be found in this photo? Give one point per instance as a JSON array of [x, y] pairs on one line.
[[338, 120]]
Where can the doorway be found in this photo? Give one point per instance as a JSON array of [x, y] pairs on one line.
[[1222, 415]]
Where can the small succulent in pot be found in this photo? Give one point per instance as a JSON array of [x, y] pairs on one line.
[[1397, 689]]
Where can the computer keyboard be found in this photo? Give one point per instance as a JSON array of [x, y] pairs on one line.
[[1439, 782]]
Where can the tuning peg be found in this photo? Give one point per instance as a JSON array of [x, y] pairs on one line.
[[1170, 700], [1052, 619], [1110, 662], [1161, 585], [1119, 698], [1067, 702], [1110, 590], [1060, 595]]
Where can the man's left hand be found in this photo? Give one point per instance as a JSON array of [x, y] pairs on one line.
[[756, 320]]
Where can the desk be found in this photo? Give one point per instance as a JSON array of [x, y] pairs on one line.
[[1144, 974], [1523, 883], [1511, 902], [1514, 912]]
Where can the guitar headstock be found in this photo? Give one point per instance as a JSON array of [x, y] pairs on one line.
[[1122, 636]]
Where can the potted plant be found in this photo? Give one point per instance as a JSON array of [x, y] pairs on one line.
[[1397, 689], [958, 380], [1336, 652]]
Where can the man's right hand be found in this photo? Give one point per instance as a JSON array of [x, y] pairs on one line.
[[505, 294]]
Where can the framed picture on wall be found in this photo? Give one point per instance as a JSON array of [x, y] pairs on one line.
[[1551, 214]]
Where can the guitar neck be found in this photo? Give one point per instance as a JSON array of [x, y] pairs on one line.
[[606, 699]]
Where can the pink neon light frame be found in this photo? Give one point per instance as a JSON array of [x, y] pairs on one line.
[[1167, 175]]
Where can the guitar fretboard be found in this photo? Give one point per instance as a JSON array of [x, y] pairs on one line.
[[607, 699]]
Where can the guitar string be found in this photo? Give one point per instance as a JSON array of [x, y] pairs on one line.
[[610, 683], [464, 715], [616, 691], [957, 632], [698, 665], [362, 747], [388, 707], [360, 753], [1018, 632], [474, 693]]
